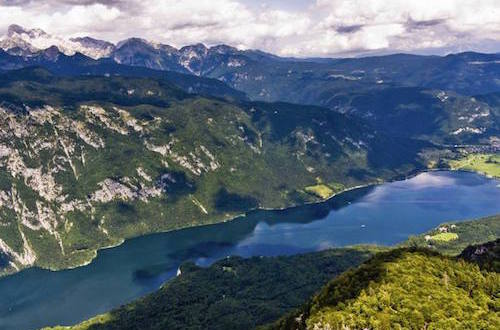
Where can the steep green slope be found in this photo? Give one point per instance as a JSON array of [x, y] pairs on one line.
[[435, 115], [244, 293], [86, 162], [405, 289], [426, 97]]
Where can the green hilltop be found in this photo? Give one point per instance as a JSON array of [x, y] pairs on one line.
[[405, 289]]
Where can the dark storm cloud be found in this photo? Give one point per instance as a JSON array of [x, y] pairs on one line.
[[412, 24], [193, 25], [348, 28]]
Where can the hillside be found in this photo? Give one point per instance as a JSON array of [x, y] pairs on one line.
[[404, 288], [244, 293], [374, 89], [443, 117], [88, 161], [451, 238]]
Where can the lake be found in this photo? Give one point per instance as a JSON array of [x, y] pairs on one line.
[[384, 214]]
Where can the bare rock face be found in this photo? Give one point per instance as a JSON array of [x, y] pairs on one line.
[[43, 153], [486, 255], [59, 174]]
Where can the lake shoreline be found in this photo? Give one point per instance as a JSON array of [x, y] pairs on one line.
[[95, 253], [383, 216]]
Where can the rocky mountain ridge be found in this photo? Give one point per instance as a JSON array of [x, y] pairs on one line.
[[29, 42]]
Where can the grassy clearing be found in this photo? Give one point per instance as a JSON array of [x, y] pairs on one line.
[[488, 164], [323, 190], [320, 190], [444, 237], [467, 233]]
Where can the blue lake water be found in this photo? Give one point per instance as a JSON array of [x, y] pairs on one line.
[[385, 214]]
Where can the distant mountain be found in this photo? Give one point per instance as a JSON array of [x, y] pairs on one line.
[[267, 77], [140, 52], [80, 65], [195, 59], [443, 117], [20, 41]]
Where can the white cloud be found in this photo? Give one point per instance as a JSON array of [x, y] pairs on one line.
[[326, 27]]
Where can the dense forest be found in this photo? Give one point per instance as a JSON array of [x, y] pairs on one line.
[[408, 288]]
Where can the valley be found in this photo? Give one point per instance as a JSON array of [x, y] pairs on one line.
[[147, 186]]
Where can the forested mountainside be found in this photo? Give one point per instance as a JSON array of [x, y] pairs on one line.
[[442, 117], [401, 108], [404, 288], [237, 293], [89, 161]]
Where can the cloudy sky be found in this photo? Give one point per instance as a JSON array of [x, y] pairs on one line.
[[285, 27]]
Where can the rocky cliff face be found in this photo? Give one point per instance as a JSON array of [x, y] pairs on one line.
[[487, 255]]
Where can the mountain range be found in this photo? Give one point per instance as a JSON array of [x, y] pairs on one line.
[[256, 72], [455, 97], [188, 121]]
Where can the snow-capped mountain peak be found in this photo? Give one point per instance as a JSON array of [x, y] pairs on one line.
[[195, 59], [16, 30], [34, 40]]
